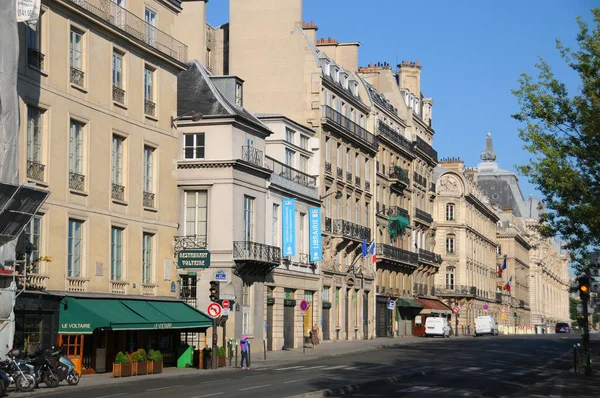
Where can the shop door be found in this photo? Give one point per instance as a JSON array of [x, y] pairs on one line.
[[380, 313], [365, 316], [288, 326], [346, 302], [326, 323], [270, 327]]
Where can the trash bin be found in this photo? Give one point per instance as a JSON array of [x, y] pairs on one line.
[[185, 356], [76, 359]]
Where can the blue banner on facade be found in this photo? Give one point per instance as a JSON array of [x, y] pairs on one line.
[[289, 227], [316, 245]]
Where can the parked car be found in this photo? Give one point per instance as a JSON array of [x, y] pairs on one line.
[[437, 326], [485, 324], [562, 327]]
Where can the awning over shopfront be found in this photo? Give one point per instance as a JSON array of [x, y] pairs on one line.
[[405, 302], [84, 315], [433, 306]]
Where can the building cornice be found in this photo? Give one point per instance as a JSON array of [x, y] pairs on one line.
[[347, 97]]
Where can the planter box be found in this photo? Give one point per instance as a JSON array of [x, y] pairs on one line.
[[154, 367], [121, 370], [221, 361], [139, 368]]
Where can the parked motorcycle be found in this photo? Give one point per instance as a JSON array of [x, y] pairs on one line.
[[4, 382], [18, 372], [43, 367], [65, 368]]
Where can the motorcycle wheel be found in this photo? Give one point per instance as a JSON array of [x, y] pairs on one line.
[[51, 379], [73, 379], [25, 382]]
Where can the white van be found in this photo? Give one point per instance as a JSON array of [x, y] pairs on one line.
[[486, 325], [437, 326]]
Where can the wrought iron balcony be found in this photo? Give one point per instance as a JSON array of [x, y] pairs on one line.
[[328, 167], [427, 256], [35, 170], [368, 185], [340, 173], [349, 127], [420, 289], [423, 216], [426, 149], [398, 211], [394, 136], [134, 27], [35, 58], [188, 242], [498, 297], [419, 179], [76, 181], [327, 224], [349, 176], [399, 175], [149, 199], [252, 155], [350, 230], [289, 173], [118, 192], [381, 209], [118, 95], [396, 255], [77, 76], [256, 252], [149, 108], [455, 291]]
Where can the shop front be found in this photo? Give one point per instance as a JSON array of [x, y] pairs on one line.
[[431, 307]]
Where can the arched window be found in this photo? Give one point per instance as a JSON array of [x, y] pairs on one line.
[[450, 278], [450, 212]]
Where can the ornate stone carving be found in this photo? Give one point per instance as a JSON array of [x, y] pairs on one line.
[[450, 185]]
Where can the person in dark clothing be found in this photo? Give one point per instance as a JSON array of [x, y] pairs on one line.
[[245, 347]]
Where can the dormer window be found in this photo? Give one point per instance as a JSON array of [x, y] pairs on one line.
[[336, 74], [355, 89], [344, 80], [238, 94]]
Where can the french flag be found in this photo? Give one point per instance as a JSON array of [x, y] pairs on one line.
[[502, 268], [507, 286], [372, 251], [369, 249]]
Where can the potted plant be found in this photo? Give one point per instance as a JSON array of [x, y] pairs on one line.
[[221, 359], [139, 366], [155, 364], [206, 357], [122, 365]]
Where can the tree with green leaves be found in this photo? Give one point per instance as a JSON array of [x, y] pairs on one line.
[[562, 132]]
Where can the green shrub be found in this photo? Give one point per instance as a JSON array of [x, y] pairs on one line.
[[122, 358], [155, 356], [220, 352], [139, 356]]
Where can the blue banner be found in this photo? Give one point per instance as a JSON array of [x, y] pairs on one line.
[[316, 245], [289, 227]]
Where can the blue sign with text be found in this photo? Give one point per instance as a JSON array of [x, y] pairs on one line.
[[289, 227], [316, 245]]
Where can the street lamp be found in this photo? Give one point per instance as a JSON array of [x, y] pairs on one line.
[[338, 195], [194, 117]]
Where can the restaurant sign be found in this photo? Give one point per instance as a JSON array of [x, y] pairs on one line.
[[193, 258]]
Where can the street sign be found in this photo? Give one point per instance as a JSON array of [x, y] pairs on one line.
[[193, 258], [214, 310], [503, 316], [220, 276], [456, 309], [227, 296], [225, 304], [391, 305], [485, 307], [303, 305], [225, 311]]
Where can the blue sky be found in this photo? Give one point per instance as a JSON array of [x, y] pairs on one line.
[[472, 53]]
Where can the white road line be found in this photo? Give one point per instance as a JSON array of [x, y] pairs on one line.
[[351, 368], [495, 371], [208, 395], [335, 367], [165, 388], [377, 367], [295, 381], [251, 388], [113, 395], [290, 368], [211, 381], [313, 367], [471, 369], [518, 373]]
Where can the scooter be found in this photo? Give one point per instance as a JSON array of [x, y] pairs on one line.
[[65, 368], [43, 368], [18, 372]]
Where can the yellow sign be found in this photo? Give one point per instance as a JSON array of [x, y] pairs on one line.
[[503, 316]]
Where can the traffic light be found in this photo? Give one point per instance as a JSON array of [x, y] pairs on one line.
[[214, 291], [584, 289], [515, 315]]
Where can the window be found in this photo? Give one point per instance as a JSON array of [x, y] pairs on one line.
[[338, 309], [117, 69], [75, 249], [117, 160], [248, 218], [196, 214], [245, 295], [120, 18], [357, 211], [348, 161], [34, 135], [147, 240], [34, 36], [150, 18], [304, 142], [193, 146], [33, 242], [209, 59], [367, 215], [325, 294], [116, 254], [238, 95], [289, 135], [355, 302], [367, 170], [76, 49], [450, 244], [328, 149], [357, 164], [289, 157], [340, 155], [301, 228], [76, 148], [246, 314], [149, 104], [148, 169], [450, 211], [275, 225], [450, 278], [304, 164]]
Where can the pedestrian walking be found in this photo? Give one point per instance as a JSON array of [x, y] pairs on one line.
[[245, 347], [314, 336]]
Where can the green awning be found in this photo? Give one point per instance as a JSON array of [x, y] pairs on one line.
[[401, 302], [84, 315], [397, 225]]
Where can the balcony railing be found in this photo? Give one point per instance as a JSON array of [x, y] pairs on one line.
[[327, 224], [328, 167], [428, 256], [399, 174], [350, 230], [35, 170], [368, 185], [189, 242], [149, 289], [349, 126], [35, 58], [252, 155], [396, 254], [423, 216], [394, 136], [135, 27], [289, 173], [455, 290], [419, 179], [398, 211], [420, 289], [426, 148], [149, 108], [77, 284], [118, 192], [149, 199], [340, 173], [76, 181], [118, 287], [252, 251], [77, 76], [381, 209], [118, 95]]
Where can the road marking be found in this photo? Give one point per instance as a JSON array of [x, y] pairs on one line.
[[251, 388], [518, 373], [314, 367], [208, 395], [495, 371], [335, 367], [377, 367], [165, 388], [113, 395], [290, 368], [295, 381], [351, 368], [471, 369], [212, 381]]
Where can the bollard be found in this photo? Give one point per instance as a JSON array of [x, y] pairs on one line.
[[265, 348], [236, 361]]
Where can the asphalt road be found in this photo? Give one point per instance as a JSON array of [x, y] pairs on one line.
[[484, 366]]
